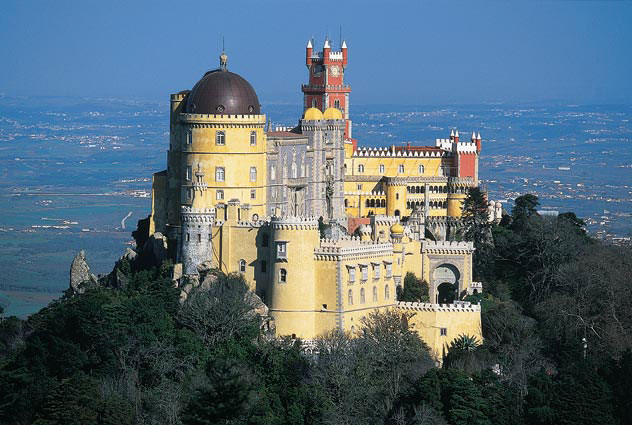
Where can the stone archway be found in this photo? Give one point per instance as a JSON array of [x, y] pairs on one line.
[[445, 279]]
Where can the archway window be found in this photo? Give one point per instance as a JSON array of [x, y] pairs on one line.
[[375, 294], [220, 138], [383, 203], [372, 203], [314, 103], [360, 168], [387, 293], [367, 203], [362, 297], [253, 174], [350, 297], [242, 266], [400, 169], [396, 213], [282, 276], [421, 169], [253, 138]]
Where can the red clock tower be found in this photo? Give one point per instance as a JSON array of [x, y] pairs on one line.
[[326, 88]]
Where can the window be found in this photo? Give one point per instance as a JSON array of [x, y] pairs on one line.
[[188, 237], [382, 168], [397, 196], [189, 173], [220, 138], [220, 174], [219, 195], [376, 271], [253, 138], [389, 270], [282, 276], [264, 240], [359, 187], [360, 168], [337, 103], [350, 297], [189, 137], [253, 174], [189, 194], [272, 172], [199, 237], [282, 250], [362, 298], [421, 169], [351, 274], [444, 331], [242, 266], [253, 194], [314, 103], [264, 267], [400, 169], [375, 294], [387, 293], [365, 272], [294, 170]]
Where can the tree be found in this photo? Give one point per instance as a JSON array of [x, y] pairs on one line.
[[477, 229], [524, 207], [414, 290]]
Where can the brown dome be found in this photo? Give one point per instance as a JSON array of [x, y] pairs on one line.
[[223, 92]]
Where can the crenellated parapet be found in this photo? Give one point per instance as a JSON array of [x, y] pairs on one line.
[[447, 247], [461, 307], [294, 223], [397, 153], [197, 215], [351, 249]]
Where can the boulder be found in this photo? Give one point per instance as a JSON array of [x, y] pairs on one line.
[[80, 275], [156, 246]]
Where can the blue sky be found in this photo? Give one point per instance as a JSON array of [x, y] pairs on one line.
[[401, 52]]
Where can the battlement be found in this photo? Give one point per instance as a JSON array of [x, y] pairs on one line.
[[430, 152], [294, 223], [461, 307], [377, 193], [466, 147], [351, 247], [447, 247], [190, 210]]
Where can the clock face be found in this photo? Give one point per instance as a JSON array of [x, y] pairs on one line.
[[335, 71]]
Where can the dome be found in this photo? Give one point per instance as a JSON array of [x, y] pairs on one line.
[[223, 92], [332, 114], [313, 114], [397, 229]]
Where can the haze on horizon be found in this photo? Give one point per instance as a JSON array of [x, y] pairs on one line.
[[401, 52]]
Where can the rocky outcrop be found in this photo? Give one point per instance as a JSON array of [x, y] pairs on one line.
[[156, 247], [80, 275]]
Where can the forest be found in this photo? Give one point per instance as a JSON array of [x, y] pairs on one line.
[[556, 348]]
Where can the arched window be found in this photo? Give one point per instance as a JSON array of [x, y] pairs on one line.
[[372, 203], [294, 170], [360, 168], [387, 293], [314, 103], [350, 297], [421, 169], [253, 138], [282, 276], [272, 172], [253, 174], [382, 168], [383, 203], [400, 169], [397, 196], [220, 138], [337, 103], [367, 203], [362, 298], [242, 266], [375, 294]]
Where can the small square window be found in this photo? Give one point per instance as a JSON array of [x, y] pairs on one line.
[[359, 187], [253, 194]]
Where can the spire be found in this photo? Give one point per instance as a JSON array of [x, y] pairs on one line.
[[478, 137], [456, 134], [344, 44], [309, 44], [326, 46], [451, 133], [473, 136]]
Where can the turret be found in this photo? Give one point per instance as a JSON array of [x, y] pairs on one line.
[[478, 142], [308, 53], [456, 136], [452, 134], [326, 50], [344, 54]]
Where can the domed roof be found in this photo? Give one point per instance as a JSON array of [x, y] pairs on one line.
[[332, 114], [397, 229], [223, 92], [313, 114]]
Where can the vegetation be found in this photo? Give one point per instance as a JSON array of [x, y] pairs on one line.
[[557, 347]]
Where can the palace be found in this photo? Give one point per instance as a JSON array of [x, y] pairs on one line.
[[323, 231]]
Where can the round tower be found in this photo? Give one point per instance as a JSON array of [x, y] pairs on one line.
[[291, 290], [396, 197], [195, 238]]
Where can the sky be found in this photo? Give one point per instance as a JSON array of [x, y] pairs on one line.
[[400, 52]]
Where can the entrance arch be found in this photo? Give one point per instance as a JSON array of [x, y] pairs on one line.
[[446, 282]]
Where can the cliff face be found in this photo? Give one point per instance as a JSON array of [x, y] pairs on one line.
[[80, 275]]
